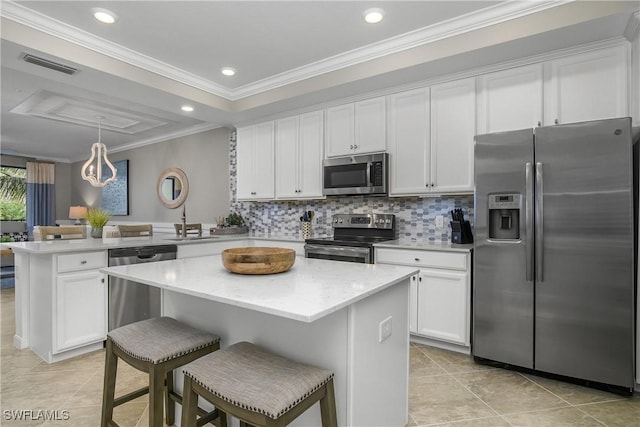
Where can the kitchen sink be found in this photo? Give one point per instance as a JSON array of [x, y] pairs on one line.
[[181, 239]]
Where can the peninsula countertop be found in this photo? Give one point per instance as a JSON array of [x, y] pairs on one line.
[[310, 290], [89, 244]]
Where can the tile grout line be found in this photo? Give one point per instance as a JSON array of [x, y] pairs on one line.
[[572, 405], [465, 387]]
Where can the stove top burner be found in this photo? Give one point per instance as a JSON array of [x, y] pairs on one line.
[[359, 230]]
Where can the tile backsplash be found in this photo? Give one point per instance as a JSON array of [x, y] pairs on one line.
[[416, 216]]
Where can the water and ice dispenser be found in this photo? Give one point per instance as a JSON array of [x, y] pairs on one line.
[[504, 216]]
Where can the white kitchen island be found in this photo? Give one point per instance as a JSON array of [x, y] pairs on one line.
[[326, 313]]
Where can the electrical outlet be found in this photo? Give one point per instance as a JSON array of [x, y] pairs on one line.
[[439, 221], [384, 330]]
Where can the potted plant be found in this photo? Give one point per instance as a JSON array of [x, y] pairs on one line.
[[97, 218], [235, 219], [233, 224]]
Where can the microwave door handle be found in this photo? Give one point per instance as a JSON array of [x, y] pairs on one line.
[[370, 175]]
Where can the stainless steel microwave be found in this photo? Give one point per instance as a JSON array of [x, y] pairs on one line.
[[356, 175]]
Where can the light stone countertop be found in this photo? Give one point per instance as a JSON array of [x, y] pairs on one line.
[[426, 246], [90, 244], [310, 290]]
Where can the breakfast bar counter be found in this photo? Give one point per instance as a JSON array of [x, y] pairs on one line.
[[350, 318]]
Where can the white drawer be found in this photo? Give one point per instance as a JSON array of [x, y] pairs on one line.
[[83, 261], [431, 259]]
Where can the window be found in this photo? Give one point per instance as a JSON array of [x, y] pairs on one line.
[[13, 193]]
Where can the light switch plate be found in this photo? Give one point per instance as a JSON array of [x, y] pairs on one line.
[[439, 221]]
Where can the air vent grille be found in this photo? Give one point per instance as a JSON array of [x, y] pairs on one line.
[[49, 64]]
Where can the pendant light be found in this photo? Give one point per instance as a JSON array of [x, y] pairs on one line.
[[92, 169]]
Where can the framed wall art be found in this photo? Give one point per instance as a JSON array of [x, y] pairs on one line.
[[115, 195]]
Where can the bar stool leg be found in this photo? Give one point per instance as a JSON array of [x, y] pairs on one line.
[[328, 406], [190, 405], [109, 389], [156, 388], [170, 405]]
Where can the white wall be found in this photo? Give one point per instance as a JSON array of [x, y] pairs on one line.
[[204, 157]]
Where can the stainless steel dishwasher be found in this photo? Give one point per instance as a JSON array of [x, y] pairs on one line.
[[132, 301]]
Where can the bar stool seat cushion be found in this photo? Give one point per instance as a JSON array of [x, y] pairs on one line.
[[159, 339], [251, 378]]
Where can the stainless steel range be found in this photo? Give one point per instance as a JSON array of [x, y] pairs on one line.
[[353, 237]]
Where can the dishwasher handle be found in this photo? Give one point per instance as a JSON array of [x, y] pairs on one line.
[[148, 257]]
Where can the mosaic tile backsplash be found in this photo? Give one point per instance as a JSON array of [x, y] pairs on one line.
[[415, 216]]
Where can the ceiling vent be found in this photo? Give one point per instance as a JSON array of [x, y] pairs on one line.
[[49, 64]]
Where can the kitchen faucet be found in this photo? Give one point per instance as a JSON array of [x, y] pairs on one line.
[[184, 221]]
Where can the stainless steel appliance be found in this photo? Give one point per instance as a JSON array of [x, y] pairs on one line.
[[354, 175], [554, 250], [353, 237], [132, 301]]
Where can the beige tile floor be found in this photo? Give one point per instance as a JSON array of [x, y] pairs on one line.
[[446, 389]]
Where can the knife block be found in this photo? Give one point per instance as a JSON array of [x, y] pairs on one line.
[[461, 232]]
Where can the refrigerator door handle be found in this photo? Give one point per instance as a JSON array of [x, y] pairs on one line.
[[539, 224], [528, 173]]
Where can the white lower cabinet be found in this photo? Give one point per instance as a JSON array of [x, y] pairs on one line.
[[442, 305], [440, 295], [79, 301], [67, 314], [80, 309]]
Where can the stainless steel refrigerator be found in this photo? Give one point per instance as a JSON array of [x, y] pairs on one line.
[[553, 279]]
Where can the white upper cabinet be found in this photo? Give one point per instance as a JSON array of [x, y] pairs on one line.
[[255, 162], [587, 86], [453, 127], [430, 133], [370, 125], [510, 99], [408, 139], [356, 128], [299, 147]]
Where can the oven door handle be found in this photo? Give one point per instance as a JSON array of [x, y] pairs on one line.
[[336, 250]]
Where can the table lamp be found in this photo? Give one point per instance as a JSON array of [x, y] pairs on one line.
[[77, 213]]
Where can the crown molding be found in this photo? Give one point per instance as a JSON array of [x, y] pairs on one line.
[[633, 27], [459, 25], [453, 27], [165, 137], [38, 21]]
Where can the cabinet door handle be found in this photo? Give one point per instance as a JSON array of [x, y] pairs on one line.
[[416, 259], [420, 279], [433, 184], [413, 278], [355, 147], [539, 123], [556, 121], [102, 280], [83, 262], [351, 147]]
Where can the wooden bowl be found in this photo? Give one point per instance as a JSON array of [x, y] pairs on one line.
[[258, 260]]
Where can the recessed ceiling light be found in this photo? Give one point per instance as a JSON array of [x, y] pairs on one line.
[[373, 16], [103, 15], [187, 108], [228, 71]]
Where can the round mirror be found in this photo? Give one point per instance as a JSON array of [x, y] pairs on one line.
[[173, 188]]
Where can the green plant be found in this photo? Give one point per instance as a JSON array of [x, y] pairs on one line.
[[97, 218], [235, 219], [5, 239]]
